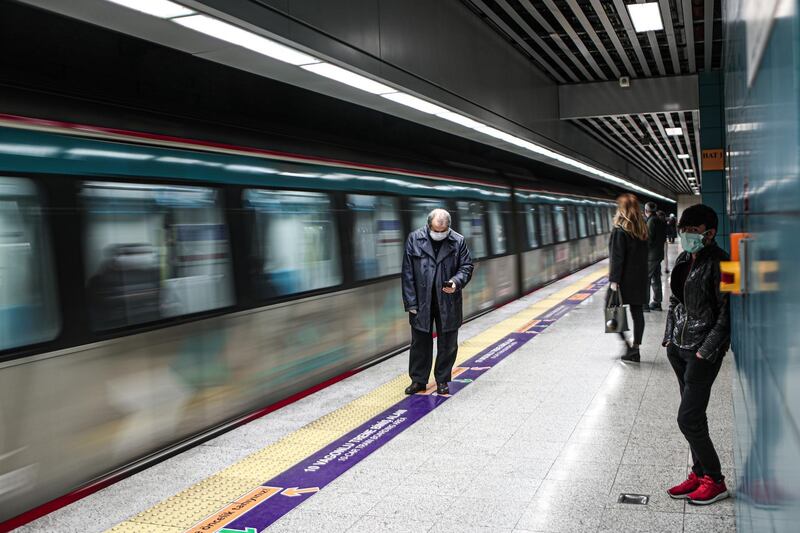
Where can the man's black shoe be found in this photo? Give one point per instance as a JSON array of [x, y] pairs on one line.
[[655, 306], [646, 308], [415, 388], [442, 388]]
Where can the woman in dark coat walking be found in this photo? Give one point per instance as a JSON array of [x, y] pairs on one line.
[[628, 269]]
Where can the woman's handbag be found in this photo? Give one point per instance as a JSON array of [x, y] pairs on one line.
[[616, 313]]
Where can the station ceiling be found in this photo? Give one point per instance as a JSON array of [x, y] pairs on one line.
[[589, 41]]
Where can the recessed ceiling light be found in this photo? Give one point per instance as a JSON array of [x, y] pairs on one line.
[[688, 170], [646, 17], [246, 39], [674, 132], [684, 156], [348, 78], [416, 103], [158, 8]]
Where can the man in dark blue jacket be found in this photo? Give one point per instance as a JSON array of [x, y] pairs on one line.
[[436, 268]]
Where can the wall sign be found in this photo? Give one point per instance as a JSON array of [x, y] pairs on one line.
[[713, 159]]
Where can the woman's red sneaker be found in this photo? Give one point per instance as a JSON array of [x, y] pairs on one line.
[[682, 491], [709, 492]]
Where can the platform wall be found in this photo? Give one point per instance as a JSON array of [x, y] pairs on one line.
[[762, 88]]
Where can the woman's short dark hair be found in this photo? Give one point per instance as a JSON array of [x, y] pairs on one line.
[[698, 215]]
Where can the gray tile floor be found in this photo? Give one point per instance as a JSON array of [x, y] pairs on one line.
[[545, 441]]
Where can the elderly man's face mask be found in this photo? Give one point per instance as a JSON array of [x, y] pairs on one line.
[[439, 235]]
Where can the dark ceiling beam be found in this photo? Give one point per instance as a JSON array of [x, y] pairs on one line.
[[688, 30], [708, 32], [666, 15], [645, 95]]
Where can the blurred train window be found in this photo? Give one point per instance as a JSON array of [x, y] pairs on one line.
[[28, 305], [530, 225], [420, 207], [498, 220], [582, 231], [471, 224], [610, 217], [295, 246], [572, 222], [377, 235], [153, 252], [546, 224], [598, 221], [559, 215]]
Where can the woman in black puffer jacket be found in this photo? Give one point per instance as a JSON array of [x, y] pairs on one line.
[[628, 274], [697, 336]]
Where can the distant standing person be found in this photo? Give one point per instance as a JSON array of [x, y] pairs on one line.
[[672, 228], [628, 268], [656, 237], [697, 336], [436, 267]]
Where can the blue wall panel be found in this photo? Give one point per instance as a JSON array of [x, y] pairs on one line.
[[762, 116]]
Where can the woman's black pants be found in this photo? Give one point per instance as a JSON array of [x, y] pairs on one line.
[[695, 378], [637, 313]]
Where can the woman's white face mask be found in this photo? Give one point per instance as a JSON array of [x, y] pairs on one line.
[[439, 235]]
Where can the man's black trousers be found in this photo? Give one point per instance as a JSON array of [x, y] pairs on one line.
[[421, 356], [695, 378]]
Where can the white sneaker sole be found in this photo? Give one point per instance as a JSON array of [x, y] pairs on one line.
[[718, 497]]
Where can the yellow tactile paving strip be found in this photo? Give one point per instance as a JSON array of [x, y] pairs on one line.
[[179, 513]]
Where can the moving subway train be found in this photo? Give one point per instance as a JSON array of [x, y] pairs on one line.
[[153, 290]]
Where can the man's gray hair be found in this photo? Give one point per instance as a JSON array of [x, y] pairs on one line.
[[440, 215]]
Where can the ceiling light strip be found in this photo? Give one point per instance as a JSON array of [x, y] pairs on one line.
[[238, 36]]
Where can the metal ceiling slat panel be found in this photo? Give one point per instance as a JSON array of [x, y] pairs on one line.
[[696, 121], [686, 138], [671, 162], [506, 28], [533, 35], [622, 12], [688, 30], [612, 34], [635, 156], [581, 16], [583, 40], [532, 11], [576, 39], [654, 154], [676, 162], [666, 15]]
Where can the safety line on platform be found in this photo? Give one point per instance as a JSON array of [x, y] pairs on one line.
[[238, 500]]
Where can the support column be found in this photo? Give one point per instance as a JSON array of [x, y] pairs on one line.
[[714, 191]]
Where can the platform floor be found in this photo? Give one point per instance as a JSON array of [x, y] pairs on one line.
[[546, 440]]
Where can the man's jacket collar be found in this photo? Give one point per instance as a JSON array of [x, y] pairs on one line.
[[424, 242]]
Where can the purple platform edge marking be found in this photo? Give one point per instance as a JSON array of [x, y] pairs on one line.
[[331, 461]]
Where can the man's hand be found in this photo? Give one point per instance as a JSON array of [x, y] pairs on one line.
[[450, 287], [412, 311], [699, 356], [613, 285]]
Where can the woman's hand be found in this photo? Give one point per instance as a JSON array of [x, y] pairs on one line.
[[613, 286]]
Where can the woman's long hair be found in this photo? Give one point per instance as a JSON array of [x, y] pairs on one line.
[[629, 216]]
